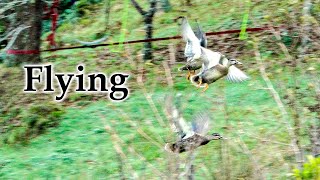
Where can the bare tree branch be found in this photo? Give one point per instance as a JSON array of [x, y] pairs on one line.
[[284, 113], [153, 8], [7, 16], [137, 127], [118, 140], [90, 43], [189, 170], [148, 25], [258, 171], [138, 7], [315, 127], [115, 140], [10, 33], [11, 5], [148, 96], [15, 35], [168, 74], [305, 27], [292, 96], [172, 52]]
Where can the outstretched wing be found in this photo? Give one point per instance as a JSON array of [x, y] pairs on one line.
[[200, 124], [178, 123], [236, 75], [201, 36], [193, 48], [210, 58]]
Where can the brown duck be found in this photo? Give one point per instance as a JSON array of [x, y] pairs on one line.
[[225, 67], [190, 137], [191, 67], [191, 143]]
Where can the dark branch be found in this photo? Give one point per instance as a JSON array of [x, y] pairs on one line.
[[138, 7], [153, 8]]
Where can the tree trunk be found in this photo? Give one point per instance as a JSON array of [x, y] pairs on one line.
[[148, 45], [30, 15], [148, 19]]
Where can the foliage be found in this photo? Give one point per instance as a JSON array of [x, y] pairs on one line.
[[70, 11], [311, 170], [2, 27], [166, 6], [20, 125]]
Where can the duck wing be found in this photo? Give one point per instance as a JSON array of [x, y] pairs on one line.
[[200, 124], [236, 75], [201, 36], [210, 58], [193, 48], [178, 123]]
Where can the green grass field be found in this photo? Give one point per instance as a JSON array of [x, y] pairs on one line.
[[80, 147]]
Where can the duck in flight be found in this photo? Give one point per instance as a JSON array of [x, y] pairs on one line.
[[190, 137], [218, 71], [198, 36], [197, 54]]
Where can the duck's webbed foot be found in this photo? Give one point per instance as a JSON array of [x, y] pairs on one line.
[[188, 75], [200, 82], [205, 87], [193, 73]]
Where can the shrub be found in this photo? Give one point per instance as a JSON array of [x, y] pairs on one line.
[[311, 170]]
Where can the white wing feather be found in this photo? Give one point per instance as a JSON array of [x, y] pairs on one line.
[[201, 36], [193, 48], [186, 128], [178, 123], [201, 125], [209, 58], [236, 75]]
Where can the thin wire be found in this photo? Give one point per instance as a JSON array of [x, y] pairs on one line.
[[158, 39]]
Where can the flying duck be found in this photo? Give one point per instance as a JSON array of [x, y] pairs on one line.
[[190, 37], [218, 71], [191, 136], [196, 54]]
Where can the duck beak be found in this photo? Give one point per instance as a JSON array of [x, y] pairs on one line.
[[176, 19], [238, 62]]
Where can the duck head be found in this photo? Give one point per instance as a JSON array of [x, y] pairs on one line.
[[178, 19], [214, 136], [234, 62]]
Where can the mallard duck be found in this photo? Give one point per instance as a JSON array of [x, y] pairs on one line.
[[196, 54], [191, 67], [218, 71], [191, 38], [189, 137], [191, 143]]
